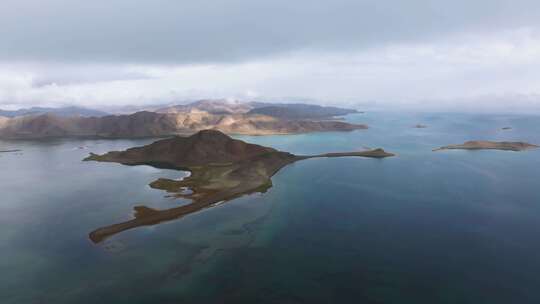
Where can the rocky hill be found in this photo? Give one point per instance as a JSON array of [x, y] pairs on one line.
[[204, 147]]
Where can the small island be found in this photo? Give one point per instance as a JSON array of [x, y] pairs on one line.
[[10, 151], [490, 145], [420, 126], [222, 168], [506, 128]]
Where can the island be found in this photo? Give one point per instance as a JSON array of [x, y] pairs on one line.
[[222, 168], [506, 128], [490, 145], [420, 126], [10, 151]]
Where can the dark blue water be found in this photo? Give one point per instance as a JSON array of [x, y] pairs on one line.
[[423, 227]]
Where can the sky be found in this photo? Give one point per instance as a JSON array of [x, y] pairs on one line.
[[461, 55]]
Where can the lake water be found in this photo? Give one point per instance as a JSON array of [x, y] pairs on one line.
[[422, 227]]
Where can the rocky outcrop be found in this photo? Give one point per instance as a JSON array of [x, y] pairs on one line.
[[490, 145]]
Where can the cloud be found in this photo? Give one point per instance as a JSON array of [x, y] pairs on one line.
[[415, 54], [471, 72], [63, 75], [216, 31]]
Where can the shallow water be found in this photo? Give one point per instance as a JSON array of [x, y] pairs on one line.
[[422, 227]]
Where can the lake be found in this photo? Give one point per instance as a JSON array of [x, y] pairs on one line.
[[422, 227]]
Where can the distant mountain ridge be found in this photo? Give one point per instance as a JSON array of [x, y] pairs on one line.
[[212, 106], [63, 111], [228, 117], [301, 111], [279, 110], [150, 124]]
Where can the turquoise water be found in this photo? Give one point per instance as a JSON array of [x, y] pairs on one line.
[[423, 227]]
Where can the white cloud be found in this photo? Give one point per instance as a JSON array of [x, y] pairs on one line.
[[221, 31], [473, 71]]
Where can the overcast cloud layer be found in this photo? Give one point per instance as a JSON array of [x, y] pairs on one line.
[[418, 54]]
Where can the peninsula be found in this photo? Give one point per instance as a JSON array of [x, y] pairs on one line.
[[490, 145], [222, 168]]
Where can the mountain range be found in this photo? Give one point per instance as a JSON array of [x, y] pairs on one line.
[[279, 110], [63, 111], [229, 117]]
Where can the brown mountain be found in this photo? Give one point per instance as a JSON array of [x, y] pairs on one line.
[[221, 169], [204, 147], [140, 124], [150, 124]]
